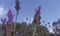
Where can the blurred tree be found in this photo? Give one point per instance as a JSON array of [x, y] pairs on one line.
[[0, 29], [56, 27], [42, 31], [43, 21], [27, 30]]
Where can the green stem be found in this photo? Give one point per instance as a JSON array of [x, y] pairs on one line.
[[15, 22], [34, 31]]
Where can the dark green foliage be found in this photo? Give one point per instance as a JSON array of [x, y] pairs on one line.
[[27, 30], [0, 29]]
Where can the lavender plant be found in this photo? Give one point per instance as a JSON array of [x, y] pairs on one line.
[[37, 16], [10, 16], [3, 23], [38, 9]]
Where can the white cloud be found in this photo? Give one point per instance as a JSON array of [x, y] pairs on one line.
[[2, 11]]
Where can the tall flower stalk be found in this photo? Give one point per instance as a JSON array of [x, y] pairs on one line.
[[17, 9], [3, 26], [36, 20]]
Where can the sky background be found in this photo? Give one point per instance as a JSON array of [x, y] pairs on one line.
[[50, 9]]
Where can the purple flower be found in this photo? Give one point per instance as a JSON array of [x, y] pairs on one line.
[[10, 15], [3, 24], [38, 9], [3, 20]]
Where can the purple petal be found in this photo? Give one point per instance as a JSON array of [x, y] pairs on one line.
[[1, 19], [38, 9]]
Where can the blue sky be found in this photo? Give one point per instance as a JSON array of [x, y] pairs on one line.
[[50, 9]]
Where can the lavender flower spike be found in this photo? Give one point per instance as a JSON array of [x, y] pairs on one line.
[[38, 9], [3, 20], [3, 24], [10, 15]]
